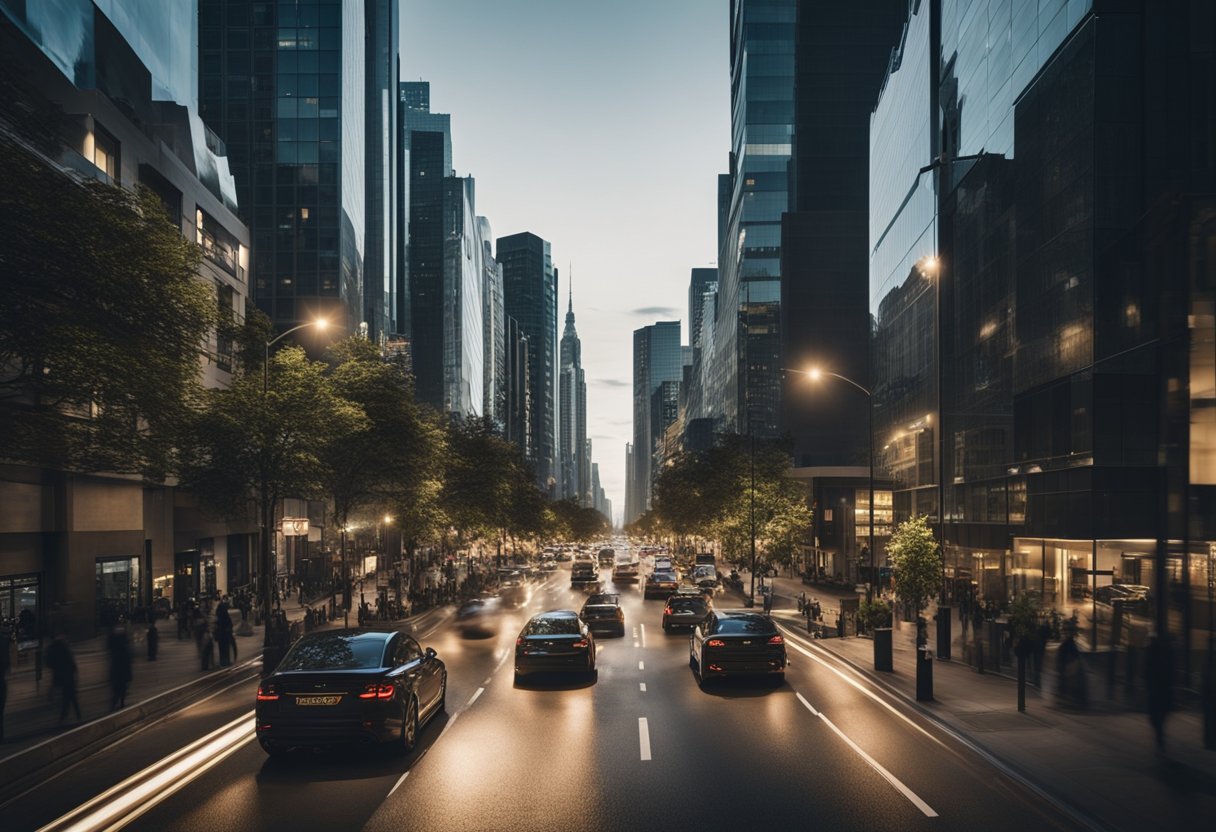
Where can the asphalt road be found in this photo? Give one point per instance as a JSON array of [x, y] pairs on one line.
[[638, 748]]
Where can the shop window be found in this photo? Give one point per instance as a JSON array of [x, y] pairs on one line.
[[118, 589]]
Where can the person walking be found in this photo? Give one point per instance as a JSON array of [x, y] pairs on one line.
[[62, 663], [120, 666], [1159, 668], [153, 637], [206, 646]]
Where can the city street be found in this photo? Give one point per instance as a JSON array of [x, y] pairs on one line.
[[641, 747]]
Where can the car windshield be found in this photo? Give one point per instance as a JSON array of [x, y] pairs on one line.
[[336, 651], [552, 625], [603, 599], [744, 624]]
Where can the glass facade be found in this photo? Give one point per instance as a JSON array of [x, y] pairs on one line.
[[464, 349], [494, 385], [381, 161], [745, 374], [657, 358], [284, 85], [530, 298]]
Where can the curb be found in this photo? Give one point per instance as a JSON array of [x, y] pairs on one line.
[[1011, 770], [71, 746]]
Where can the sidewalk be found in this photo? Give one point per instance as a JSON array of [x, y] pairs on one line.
[[1101, 763]]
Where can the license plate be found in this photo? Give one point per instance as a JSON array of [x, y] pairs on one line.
[[318, 700]]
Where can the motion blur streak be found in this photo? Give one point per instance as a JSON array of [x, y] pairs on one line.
[[132, 797]]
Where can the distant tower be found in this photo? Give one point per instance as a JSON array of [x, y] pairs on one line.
[[574, 462]]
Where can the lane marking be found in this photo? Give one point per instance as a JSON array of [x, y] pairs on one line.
[[796, 643], [635, 644], [473, 698], [400, 780], [641, 665], [642, 687], [643, 636], [644, 738], [501, 661], [487, 681], [925, 808], [446, 728]]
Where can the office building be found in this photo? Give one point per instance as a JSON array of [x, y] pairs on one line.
[[518, 413], [382, 132], [285, 86], [463, 350], [657, 358], [572, 409], [530, 297], [494, 385]]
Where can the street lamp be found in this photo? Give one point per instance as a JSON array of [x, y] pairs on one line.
[[268, 511], [816, 374]]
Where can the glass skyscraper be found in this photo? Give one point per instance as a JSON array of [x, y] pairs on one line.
[[530, 298], [285, 86], [463, 300], [657, 358]]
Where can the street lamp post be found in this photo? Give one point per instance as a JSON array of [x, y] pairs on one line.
[[816, 374], [265, 565]]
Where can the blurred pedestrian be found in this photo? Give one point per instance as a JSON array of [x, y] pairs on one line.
[[6, 644], [206, 646], [62, 663], [183, 621], [1159, 667], [153, 640], [120, 666], [1071, 669]]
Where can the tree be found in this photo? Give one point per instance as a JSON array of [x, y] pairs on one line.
[[246, 442], [916, 565], [102, 319]]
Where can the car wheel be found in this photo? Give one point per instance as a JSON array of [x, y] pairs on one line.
[[666, 628], [409, 727], [620, 631]]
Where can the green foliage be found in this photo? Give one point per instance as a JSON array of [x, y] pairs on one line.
[[572, 522], [102, 319], [1023, 618], [876, 613], [915, 561]]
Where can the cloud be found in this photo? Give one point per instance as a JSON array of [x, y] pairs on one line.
[[611, 382], [661, 311]]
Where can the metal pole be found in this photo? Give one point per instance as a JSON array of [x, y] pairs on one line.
[[751, 433], [873, 574], [266, 511]]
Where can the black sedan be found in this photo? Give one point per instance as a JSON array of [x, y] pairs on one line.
[[603, 612], [736, 642], [350, 687], [554, 640], [685, 610]]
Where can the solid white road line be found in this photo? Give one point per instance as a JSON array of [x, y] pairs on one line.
[[874, 764], [643, 635], [473, 698], [641, 665], [400, 780], [644, 737], [642, 687], [797, 644]]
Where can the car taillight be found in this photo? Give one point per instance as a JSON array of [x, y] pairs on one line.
[[380, 690], [581, 644], [777, 639], [519, 642], [267, 693], [620, 613], [667, 611], [715, 642]]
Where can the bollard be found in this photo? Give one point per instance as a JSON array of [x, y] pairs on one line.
[[924, 675]]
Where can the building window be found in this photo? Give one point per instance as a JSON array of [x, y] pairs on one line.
[[105, 153]]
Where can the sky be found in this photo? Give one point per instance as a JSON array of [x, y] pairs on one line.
[[601, 127]]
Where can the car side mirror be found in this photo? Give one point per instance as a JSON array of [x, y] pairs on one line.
[[430, 652]]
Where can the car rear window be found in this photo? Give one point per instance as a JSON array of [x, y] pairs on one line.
[[664, 576], [745, 624], [603, 599], [688, 605], [552, 626], [334, 651]]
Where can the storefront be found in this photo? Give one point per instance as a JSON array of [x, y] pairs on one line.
[[21, 607], [118, 588]]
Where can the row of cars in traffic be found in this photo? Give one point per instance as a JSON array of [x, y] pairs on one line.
[[380, 686]]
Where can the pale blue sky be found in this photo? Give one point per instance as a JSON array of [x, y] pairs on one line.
[[600, 126]]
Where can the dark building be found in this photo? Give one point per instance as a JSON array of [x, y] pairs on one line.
[[530, 297], [380, 247], [518, 381], [286, 88], [657, 358]]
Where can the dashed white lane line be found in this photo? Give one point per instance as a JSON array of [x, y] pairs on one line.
[[644, 738], [641, 665], [642, 687], [643, 635], [487, 681], [925, 808], [797, 645], [473, 698]]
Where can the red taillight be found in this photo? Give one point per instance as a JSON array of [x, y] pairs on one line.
[[267, 693], [715, 642], [667, 611], [581, 644], [380, 690], [777, 639], [519, 642]]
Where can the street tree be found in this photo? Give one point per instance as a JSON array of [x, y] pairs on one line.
[[916, 565]]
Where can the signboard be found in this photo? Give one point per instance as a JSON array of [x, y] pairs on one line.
[[295, 526]]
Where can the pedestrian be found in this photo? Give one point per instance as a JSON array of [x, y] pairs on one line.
[[120, 666], [6, 644], [183, 621], [1071, 670], [768, 600], [206, 646], [153, 640], [62, 663], [1159, 668]]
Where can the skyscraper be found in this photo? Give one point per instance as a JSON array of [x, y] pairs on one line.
[[657, 358], [530, 297], [380, 251], [573, 415], [286, 87], [494, 387], [745, 378], [463, 303]]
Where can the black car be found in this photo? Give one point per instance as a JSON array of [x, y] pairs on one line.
[[554, 640], [685, 610], [736, 642], [660, 584], [603, 612], [350, 687]]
